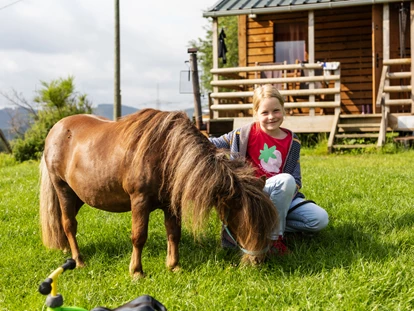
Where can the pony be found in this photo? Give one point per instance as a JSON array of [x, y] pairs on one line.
[[148, 160]]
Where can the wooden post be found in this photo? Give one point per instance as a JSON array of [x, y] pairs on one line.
[[311, 55], [215, 61], [386, 42], [196, 88], [376, 53], [412, 51], [117, 78]]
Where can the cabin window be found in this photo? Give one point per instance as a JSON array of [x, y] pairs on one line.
[[290, 43]]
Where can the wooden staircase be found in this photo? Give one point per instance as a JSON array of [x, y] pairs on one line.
[[352, 131]]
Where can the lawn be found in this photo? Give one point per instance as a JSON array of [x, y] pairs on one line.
[[363, 260]]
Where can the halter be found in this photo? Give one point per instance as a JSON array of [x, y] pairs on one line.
[[251, 253]]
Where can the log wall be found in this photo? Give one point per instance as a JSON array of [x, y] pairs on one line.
[[347, 35]]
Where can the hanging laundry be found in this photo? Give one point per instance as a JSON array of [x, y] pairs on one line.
[[222, 49]]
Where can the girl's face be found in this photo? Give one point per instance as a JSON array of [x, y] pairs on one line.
[[270, 116]]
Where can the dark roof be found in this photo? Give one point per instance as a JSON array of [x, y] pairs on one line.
[[243, 7]]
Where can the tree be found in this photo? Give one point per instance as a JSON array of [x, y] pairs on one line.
[[56, 100], [205, 48]]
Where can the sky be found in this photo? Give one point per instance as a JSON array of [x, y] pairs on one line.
[[44, 40]]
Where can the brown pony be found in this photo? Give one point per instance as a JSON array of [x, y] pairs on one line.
[[148, 160]]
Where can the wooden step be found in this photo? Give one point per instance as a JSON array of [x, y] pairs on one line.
[[364, 125], [360, 116], [355, 135], [353, 146]]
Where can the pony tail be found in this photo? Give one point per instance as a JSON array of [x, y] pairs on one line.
[[53, 235]]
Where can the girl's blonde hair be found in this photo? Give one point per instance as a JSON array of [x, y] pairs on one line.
[[266, 91]]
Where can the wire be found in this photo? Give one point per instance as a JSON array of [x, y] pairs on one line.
[[6, 6]]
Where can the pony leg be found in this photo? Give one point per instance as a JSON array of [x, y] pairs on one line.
[[173, 228], [140, 218], [70, 205]]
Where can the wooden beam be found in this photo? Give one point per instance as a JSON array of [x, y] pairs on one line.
[[412, 51], [275, 80], [311, 54], [289, 105], [215, 58], [386, 44], [376, 51], [382, 84], [282, 92], [242, 35], [265, 68]]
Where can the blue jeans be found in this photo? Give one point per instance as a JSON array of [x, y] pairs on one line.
[[307, 218]]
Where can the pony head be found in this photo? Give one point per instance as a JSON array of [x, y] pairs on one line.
[[247, 212]]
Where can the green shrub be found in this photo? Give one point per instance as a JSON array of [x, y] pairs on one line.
[[57, 100]]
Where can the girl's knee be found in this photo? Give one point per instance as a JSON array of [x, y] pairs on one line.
[[321, 221], [288, 181]]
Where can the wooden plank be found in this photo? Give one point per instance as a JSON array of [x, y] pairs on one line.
[[266, 67], [242, 40], [260, 38], [346, 13], [412, 49], [397, 61], [260, 51], [343, 32], [355, 146], [397, 89], [355, 72], [261, 44], [345, 38], [287, 105], [342, 45], [255, 23], [376, 51], [398, 75], [260, 59], [330, 25], [397, 102], [334, 128], [309, 124], [344, 54], [275, 80], [282, 92], [259, 31]]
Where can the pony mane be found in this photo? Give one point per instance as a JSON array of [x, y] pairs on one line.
[[194, 174]]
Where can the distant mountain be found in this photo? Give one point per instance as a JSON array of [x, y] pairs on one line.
[[107, 110]]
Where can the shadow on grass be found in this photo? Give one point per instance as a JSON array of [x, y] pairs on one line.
[[337, 246]]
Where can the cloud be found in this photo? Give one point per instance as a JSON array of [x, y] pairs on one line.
[[48, 39]]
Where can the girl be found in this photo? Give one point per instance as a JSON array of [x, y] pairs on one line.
[[275, 152]]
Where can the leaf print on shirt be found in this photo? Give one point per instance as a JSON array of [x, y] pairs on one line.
[[270, 159], [267, 153]]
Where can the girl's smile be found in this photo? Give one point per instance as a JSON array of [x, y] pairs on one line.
[[270, 116]]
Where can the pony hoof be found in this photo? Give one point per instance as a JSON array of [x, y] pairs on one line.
[[138, 275], [175, 269], [79, 263]]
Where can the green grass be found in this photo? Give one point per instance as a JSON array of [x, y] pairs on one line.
[[362, 261]]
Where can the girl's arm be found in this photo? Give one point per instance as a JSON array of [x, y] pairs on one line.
[[224, 141]]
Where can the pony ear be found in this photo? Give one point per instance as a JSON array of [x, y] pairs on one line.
[[263, 179]]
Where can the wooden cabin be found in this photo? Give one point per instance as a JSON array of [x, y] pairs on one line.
[[343, 66]]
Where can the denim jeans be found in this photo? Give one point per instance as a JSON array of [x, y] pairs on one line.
[[309, 217]]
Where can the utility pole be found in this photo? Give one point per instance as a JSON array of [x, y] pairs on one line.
[[196, 88], [117, 83]]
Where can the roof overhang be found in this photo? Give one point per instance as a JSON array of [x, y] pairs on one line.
[[218, 10]]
